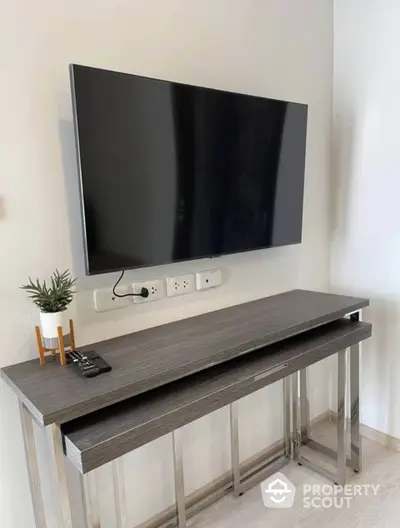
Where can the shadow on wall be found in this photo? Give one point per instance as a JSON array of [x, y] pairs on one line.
[[380, 368], [342, 164], [375, 367], [71, 181], [355, 270], [2, 208]]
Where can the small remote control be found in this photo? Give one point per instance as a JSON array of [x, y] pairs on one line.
[[86, 367], [98, 361], [89, 364]]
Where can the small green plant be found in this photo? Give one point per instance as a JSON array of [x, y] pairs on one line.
[[53, 297]]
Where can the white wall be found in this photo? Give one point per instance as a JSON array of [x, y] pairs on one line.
[[275, 48], [366, 221]]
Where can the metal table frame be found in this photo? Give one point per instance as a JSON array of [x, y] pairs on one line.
[[296, 421], [301, 426]]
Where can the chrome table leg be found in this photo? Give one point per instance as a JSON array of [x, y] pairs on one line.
[[179, 478], [355, 435], [91, 500], [295, 417], [119, 492], [341, 419], [61, 477], [32, 464], [84, 495], [304, 408], [286, 418], [234, 423], [339, 476], [356, 440]]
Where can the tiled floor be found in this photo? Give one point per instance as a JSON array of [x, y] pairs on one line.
[[381, 467]]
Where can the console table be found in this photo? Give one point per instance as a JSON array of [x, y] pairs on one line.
[[168, 376]]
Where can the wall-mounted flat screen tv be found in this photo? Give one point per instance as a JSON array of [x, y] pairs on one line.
[[172, 172]]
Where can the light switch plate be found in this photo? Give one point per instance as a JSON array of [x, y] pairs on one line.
[[208, 279], [105, 300]]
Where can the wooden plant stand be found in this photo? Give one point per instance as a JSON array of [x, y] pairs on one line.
[[61, 347]]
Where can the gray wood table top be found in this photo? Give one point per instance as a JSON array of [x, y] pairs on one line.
[[94, 440], [148, 359]]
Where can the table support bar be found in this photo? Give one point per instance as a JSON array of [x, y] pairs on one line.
[[356, 440], [295, 416], [273, 464], [179, 478], [119, 492], [32, 465], [61, 476], [92, 500], [84, 495], [304, 407], [286, 418], [341, 421], [234, 422], [340, 455]]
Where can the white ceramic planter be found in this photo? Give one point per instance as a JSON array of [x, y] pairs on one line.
[[49, 323]]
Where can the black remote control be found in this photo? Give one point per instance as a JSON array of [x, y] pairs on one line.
[[89, 364], [98, 361], [86, 367]]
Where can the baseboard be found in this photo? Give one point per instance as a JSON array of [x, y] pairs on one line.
[[221, 486], [372, 434]]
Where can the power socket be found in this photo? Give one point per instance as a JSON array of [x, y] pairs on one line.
[[180, 285], [155, 287]]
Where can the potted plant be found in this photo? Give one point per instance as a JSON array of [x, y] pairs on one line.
[[53, 299]]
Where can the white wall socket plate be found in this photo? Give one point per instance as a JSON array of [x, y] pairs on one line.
[[180, 285], [105, 300], [208, 279], [156, 290]]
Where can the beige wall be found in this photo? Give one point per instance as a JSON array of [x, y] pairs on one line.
[[366, 235], [274, 48]]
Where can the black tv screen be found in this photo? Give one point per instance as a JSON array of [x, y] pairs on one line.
[[172, 172]]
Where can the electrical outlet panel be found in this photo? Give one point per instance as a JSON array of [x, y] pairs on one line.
[[180, 285], [156, 290], [105, 300], [208, 279]]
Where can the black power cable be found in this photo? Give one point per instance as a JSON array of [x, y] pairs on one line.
[[143, 293]]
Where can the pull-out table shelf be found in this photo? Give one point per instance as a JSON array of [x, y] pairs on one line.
[[107, 434]]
